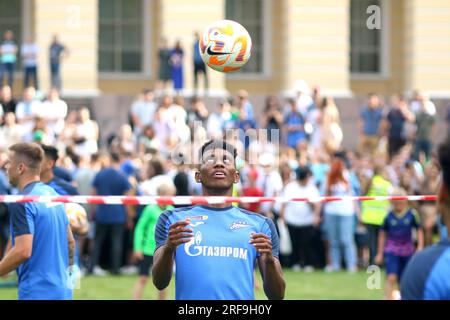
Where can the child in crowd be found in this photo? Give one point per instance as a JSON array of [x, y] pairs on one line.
[[144, 240], [397, 241]]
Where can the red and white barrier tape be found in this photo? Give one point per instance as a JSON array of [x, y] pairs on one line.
[[187, 200]]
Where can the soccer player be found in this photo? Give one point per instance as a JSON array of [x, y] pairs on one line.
[[396, 239], [42, 241], [62, 187], [144, 239], [215, 247], [427, 274]]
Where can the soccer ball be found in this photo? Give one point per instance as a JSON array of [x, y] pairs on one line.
[[225, 46], [76, 214]]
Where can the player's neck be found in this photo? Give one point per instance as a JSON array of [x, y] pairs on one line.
[[27, 180], [47, 177], [217, 193]]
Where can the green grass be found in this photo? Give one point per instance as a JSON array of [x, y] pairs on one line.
[[299, 286]]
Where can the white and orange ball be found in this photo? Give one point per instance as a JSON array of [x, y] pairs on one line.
[[76, 214], [225, 46]]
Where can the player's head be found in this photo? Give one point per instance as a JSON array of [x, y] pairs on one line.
[[49, 161], [444, 190], [399, 205], [217, 169], [24, 160]]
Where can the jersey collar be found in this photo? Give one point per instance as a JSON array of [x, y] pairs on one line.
[[216, 209], [27, 189]]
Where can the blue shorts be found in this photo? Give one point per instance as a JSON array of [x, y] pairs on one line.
[[395, 264]]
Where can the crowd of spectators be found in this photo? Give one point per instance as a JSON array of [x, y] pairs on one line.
[[300, 155]]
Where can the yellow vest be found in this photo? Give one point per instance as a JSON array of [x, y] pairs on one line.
[[374, 212]]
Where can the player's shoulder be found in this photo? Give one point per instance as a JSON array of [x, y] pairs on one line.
[[66, 186], [168, 213], [253, 215], [39, 188], [430, 255]]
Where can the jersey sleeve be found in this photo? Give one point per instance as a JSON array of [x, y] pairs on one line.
[[269, 229], [437, 286], [162, 229], [22, 219]]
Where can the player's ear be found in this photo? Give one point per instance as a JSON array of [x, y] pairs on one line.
[[198, 177], [237, 177]]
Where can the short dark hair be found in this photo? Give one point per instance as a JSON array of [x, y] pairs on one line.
[[444, 161], [217, 144], [147, 91], [115, 157], [158, 166], [50, 152], [31, 153], [302, 173]]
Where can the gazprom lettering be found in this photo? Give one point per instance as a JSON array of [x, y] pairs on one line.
[[194, 249]]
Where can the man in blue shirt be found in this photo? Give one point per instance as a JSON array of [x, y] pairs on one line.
[[110, 220], [427, 275], [216, 246], [199, 65], [56, 52], [42, 242], [369, 125], [48, 176]]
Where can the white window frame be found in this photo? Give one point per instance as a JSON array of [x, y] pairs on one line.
[[384, 72], [146, 54], [266, 72]]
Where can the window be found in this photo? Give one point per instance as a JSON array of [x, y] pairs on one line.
[[11, 19], [121, 39], [250, 13], [366, 45]]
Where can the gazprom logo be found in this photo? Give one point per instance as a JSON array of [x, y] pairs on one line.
[[196, 250], [198, 238], [193, 248]]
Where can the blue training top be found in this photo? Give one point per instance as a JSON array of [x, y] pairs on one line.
[[44, 276], [218, 262], [427, 275]]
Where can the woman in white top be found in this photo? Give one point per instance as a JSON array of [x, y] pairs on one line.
[[86, 134], [301, 219]]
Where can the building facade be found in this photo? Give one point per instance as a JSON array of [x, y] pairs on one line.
[[114, 43]]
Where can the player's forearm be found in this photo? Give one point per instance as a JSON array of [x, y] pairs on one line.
[[14, 258], [71, 252], [162, 267], [420, 239], [274, 284], [381, 241]]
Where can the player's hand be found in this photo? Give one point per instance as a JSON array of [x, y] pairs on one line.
[[379, 259], [263, 245], [138, 256], [179, 234]]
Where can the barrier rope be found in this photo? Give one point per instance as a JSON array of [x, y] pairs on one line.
[[192, 200]]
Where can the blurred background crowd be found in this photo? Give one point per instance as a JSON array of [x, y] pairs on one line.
[[299, 154]]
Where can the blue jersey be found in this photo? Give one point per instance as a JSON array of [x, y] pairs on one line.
[[62, 187], [218, 262], [110, 182], [427, 275], [44, 275], [399, 233]]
